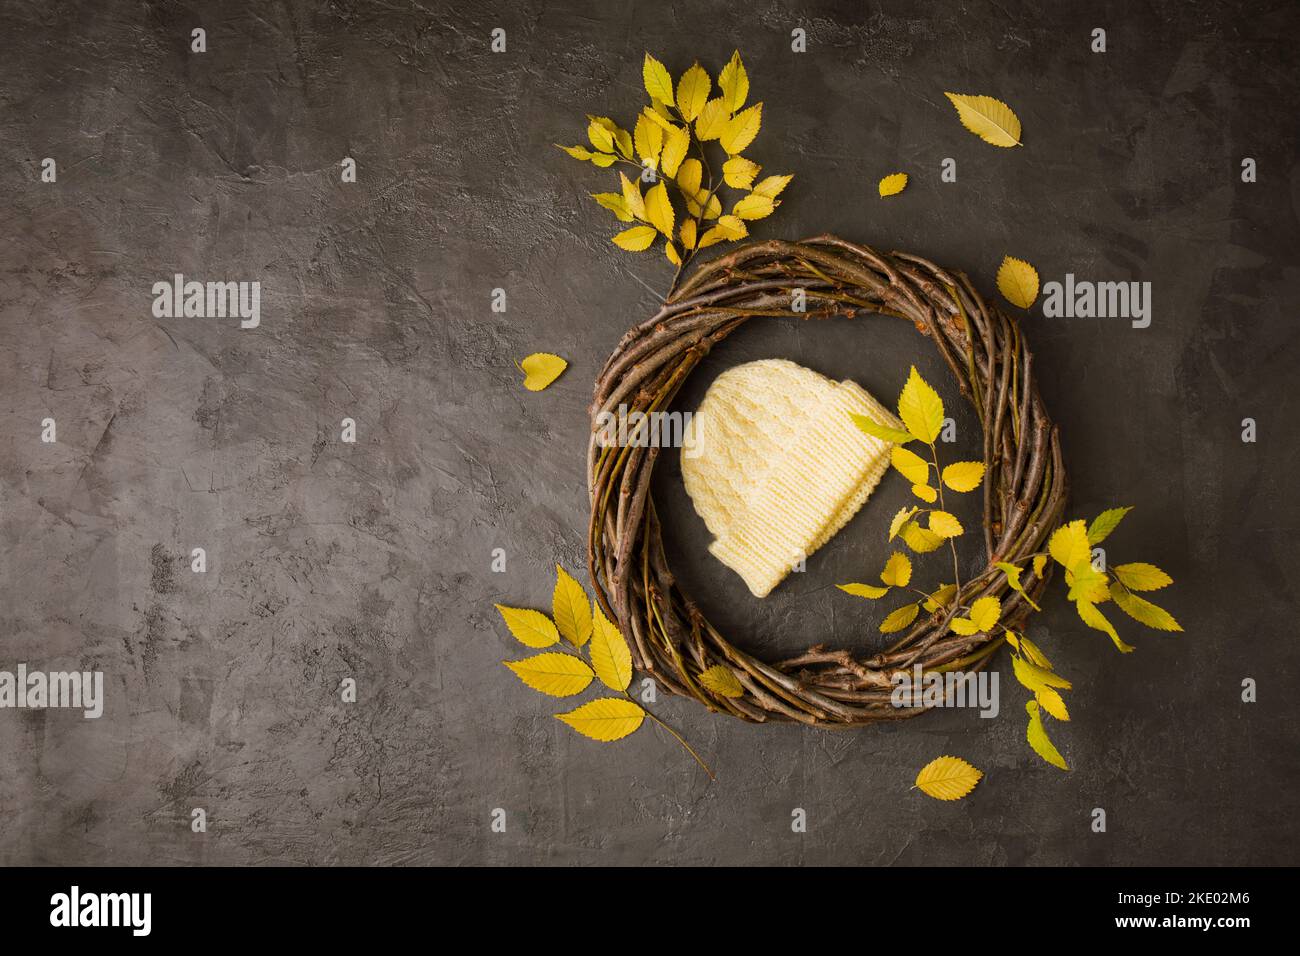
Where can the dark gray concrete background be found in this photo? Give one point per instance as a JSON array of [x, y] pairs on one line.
[[372, 560]]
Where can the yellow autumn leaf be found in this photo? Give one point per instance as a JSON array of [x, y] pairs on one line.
[[964, 626], [772, 186], [1040, 562], [920, 408], [530, 628], [541, 369], [1052, 702], [1141, 576], [741, 129], [560, 675], [659, 117], [635, 239], [732, 227], [899, 619], [659, 210], [632, 196], [712, 237], [1087, 584], [1035, 677], [1030, 650], [944, 524], [964, 475], [1097, 621], [676, 142], [904, 515], [689, 176], [940, 598], [869, 591], [577, 152], [989, 119], [658, 82], [712, 121], [693, 92], [649, 137], [1068, 545], [753, 206], [985, 613], [739, 172], [1018, 282], [873, 428], [947, 778], [914, 468], [603, 160], [892, 185], [1038, 738], [898, 570], [696, 207], [1143, 611], [687, 233], [1105, 523], [721, 680], [673, 255], [1013, 579], [919, 539], [605, 719], [570, 609], [615, 204], [734, 83], [610, 655], [925, 493], [601, 136]]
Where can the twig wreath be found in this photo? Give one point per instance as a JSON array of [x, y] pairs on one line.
[[1025, 487]]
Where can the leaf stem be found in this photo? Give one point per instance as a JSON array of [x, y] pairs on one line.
[[680, 739]]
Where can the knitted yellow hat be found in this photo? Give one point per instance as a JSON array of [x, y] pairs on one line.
[[777, 466]]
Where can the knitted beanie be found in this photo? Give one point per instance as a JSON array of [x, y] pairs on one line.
[[777, 466]]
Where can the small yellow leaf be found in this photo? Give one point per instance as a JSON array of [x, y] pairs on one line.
[[964, 475], [873, 428], [673, 255], [722, 680], [904, 515], [734, 82], [649, 138], [1141, 576], [605, 719], [919, 539], [1069, 545], [712, 121], [1038, 739], [1040, 562], [686, 232], [964, 626], [899, 619], [898, 570], [623, 142], [914, 468], [1030, 649], [693, 92], [689, 175], [753, 206], [869, 591], [1035, 677], [945, 525], [610, 655], [659, 209], [615, 204], [541, 369], [601, 137], [989, 119], [985, 613], [920, 408], [892, 185], [940, 598], [1018, 282], [1052, 702], [659, 117], [530, 628], [712, 237], [658, 82], [1097, 621], [570, 609], [1013, 578], [1087, 584], [1143, 611], [560, 675], [925, 493], [732, 227], [947, 778], [675, 145], [1105, 523], [635, 239], [772, 186], [632, 196], [603, 159], [741, 129], [577, 152], [739, 172], [696, 207]]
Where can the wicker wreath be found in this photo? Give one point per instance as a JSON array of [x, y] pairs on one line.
[[1025, 483]]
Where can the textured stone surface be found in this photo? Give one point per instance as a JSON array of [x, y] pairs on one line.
[[372, 560]]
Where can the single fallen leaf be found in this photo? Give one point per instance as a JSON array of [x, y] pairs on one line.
[[605, 719], [610, 655], [1018, 282], [721, 680], [570, 609], [530, 628], [893, 184], [989, 119], [658, 82], [734, 82], [559, 675], [635, 239], [947, 778], [1038, 739], [542, 368]]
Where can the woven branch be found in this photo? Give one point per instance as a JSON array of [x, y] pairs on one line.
[[1025, 483]]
